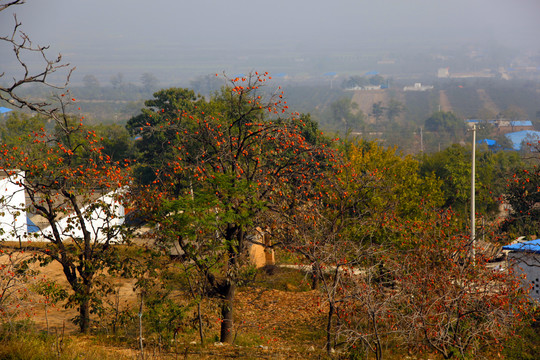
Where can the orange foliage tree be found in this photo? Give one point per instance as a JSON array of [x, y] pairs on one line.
[[62, 172], [73, 187], [233, 163]]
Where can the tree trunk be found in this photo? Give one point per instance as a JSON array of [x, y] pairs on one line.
[[84, 305], [227, 313], [329, 329], [315, 276], [84, 314]]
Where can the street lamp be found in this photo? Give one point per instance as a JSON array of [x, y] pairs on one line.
[[473, 215]]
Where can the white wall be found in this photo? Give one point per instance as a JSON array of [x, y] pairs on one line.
[[13, 223], [97, 222], [12, 208], [528, 264]]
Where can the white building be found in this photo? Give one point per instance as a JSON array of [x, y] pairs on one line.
[[524, 257], [102, 215], [418, 87], [13, 225]]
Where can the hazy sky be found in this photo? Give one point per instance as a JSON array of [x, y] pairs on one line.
[[90, 32]]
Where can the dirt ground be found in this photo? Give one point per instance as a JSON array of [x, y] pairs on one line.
[[266, 319]]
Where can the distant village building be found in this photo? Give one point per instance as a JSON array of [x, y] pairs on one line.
[[504, 126], [366, 88], [443, 73], [524, 258], [4, 111], [418, 87]]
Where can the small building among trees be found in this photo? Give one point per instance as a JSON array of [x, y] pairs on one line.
[[524, 257]]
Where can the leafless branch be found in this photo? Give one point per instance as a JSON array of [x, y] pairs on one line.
[[11, 3], [21, 44]]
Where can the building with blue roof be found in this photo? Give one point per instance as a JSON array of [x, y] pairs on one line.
[[4, 110], [524, 257]]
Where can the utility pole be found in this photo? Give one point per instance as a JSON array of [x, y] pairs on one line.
[[421, 140], [473, 210]]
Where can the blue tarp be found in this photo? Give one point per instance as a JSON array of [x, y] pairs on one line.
[[489, 142], [527, 246], [30, 226], [4, 110]]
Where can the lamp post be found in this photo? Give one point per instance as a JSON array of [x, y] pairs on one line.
[[473, 210]]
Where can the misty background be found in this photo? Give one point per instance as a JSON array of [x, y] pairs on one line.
[[179, 40]]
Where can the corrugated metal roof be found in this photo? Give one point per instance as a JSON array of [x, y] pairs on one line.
[[517, 137], [521, 123], [527, 246]]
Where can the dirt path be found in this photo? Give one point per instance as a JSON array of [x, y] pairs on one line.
[[444, 102], [487, 102]]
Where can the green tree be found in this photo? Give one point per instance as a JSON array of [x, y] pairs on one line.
[[117, 81], [377, 110], [355, 81], [453, 165], [19, 127], [116, 142], [443, 121], [442, 129], [167, 108], [394, 109], [346, 115], [400, 186], [376, 80], [149, 81], [207, 84], [236, 163]]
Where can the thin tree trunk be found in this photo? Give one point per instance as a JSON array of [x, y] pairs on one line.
[[315, 276], [329, 328], [47, 317], [199, 314], [227, 314], [141, 345]]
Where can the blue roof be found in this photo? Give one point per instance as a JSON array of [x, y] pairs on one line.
[[489, 142], [521, 123], [527, 246], [372, 73], [4, 110], [517, 137]]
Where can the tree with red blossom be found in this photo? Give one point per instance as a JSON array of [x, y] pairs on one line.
[[232, 163]]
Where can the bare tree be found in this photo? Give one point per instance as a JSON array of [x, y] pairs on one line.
[[21, 44]]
